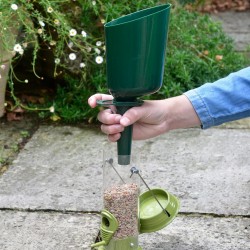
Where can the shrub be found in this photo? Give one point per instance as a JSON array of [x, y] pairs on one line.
[[66, 38], [198, 52], [58, 41]]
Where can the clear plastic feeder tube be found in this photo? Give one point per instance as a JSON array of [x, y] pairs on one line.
[[121, 190]]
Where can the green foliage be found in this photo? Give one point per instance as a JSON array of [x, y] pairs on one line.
[[198, 50], [50, 31], [183, 2], [70, 101]]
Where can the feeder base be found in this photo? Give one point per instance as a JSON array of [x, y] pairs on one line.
[[130, 243], [103, 248]]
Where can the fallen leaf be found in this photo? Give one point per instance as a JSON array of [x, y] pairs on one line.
[[218, 57], [205, 52], [55, 118], [16, 114]]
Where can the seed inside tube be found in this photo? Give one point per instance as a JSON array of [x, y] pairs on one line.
[[122, 202]]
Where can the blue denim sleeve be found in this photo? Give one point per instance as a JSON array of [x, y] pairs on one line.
[[225, 100]]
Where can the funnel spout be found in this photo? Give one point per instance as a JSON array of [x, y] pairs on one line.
[[124, 144]]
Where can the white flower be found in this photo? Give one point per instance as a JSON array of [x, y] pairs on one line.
[[72, 56], [56, 22], [98, 43], [26, 81], [57, 61], [50, 9], [21, 52], [89, 49], [14, 6], [103, 21], [99, 59], [97, 51], [82, 65], [18, 47], [3, 67], [52, 109], [72, 32], [94, 2], [52, 42], [70, 44], [40, 31], [42, 23], [84, 34]]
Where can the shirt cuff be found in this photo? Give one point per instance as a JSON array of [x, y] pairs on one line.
[[200, 108]]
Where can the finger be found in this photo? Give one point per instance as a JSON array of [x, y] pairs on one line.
[[108, 117], [94, 98], [114, 137], [112, 129], [133, 115]]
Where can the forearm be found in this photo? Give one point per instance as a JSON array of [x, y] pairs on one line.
[[180, 113]]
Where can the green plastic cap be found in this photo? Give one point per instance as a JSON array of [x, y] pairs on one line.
[[152, 216]]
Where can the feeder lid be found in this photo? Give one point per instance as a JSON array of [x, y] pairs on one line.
[[152, 216]]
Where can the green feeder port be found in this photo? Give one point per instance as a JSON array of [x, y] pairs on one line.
[[108, 227]]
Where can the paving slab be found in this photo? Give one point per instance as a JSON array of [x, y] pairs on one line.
[[237, 26], [60, 169], [51, 231], [242, 124], [13, 135], [54, 231], [200, 233], [207, 169]]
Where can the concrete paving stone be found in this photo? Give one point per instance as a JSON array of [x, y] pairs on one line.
[[241, 40], [50, 231], [59, 168], [237, 26], [207, 169], [242, 124], [12, 137], [200, 233]]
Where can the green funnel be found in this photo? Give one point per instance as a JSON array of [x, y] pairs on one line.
[[135, 54]]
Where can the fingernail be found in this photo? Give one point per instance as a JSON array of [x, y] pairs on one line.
[[118, 118], [125, 121], [90, 100]]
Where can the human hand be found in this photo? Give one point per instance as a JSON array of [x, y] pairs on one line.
[[149, 119]]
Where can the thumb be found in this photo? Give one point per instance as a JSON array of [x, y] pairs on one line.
[[132, 115]]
